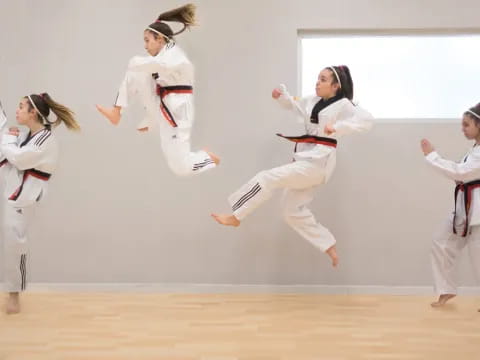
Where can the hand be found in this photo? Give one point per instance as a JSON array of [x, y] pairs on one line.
[[426, 146], [15, 131], [276, 93], [329, 129]]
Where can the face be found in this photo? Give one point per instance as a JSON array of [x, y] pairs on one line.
[[152, 45], [324, 87], [25, 116], [470, 128]]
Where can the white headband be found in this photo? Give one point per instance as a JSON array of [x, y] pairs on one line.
[[336, 75], [45, 120], [159, 33], [474, 114]]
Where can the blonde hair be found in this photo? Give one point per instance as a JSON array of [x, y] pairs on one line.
[[184, 14], [43, 103]]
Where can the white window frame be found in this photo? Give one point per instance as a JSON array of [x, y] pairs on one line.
[[312, 33]]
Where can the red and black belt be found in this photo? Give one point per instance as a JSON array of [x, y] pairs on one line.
[[467, 189], [163, 91], [30, 172], [311, 139]]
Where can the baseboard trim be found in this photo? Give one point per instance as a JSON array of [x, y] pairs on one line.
[[241, 288]]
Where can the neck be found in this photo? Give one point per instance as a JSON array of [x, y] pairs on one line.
[[159, 51], [329, 97], [477, 140], [35, 127]]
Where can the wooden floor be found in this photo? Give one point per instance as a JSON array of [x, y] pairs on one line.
[[227, 327]]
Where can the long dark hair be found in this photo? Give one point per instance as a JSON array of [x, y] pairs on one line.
[[476, 113], [346, 82]]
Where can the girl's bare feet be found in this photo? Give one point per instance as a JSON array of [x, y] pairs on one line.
[[228, 220], [13, 303], [214, 157], [112, 114], [332, 252], [442, 300]]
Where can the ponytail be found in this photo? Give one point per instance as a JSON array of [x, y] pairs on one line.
[[43, 103], [184, 14]]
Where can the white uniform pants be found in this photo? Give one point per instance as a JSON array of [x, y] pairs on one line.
[[300, 180], [15, 244], [445, 254], [175, 140]]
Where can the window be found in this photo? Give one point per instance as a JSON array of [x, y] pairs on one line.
[[400, 76]]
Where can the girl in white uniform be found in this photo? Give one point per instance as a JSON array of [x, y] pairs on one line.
[[462, 228], [327, 116], [163, 82], [27, 160]]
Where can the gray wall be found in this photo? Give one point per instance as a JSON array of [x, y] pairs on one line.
[[115, 213]]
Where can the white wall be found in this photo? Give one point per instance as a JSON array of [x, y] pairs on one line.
[[115, 213]]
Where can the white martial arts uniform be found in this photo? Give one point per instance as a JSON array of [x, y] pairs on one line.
[[164, 85], [313, 165], [27, 163], [463, 227]]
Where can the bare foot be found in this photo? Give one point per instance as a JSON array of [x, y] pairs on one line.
[[332, 252], [442, 300], [229, 220], [143, 125], [112, 114], [214, 157], [13, 304]]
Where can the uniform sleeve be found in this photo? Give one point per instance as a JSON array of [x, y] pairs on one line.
[[3, 123], [292, 103], [3, 117], [356, 119], [464, 172], [26, 157], [174, 74]]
